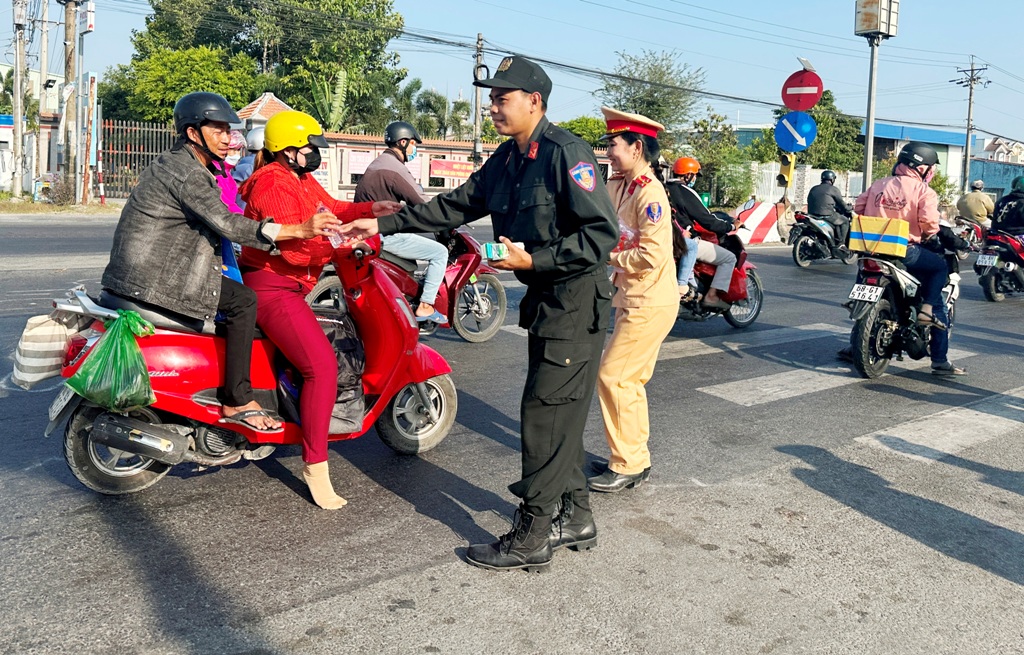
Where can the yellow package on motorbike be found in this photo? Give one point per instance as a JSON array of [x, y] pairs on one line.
[[879, 236]]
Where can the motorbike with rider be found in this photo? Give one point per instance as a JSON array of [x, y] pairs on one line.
[[823, 232]]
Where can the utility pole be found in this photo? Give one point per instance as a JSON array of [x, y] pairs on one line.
[[70, 128], [478, 145], [44, 91], [18, 93], [971, 77]]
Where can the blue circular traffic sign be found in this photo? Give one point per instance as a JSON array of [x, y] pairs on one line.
[[795, 131]]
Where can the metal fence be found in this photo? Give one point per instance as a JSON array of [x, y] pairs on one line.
[[128, 147]]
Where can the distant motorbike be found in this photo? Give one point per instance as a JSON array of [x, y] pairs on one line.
[[970, 231], [884, 304], [471, 295], [1000, 266], [813, 238], [746, 292]]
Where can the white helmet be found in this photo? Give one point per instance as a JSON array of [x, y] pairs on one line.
[[254, 139], [978, 185]]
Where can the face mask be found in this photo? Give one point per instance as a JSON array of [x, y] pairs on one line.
[[231, 160], [312, 162], [689, 181], [929, 175], [410, 154]]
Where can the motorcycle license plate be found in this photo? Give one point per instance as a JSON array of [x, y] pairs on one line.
[[60, 402], [866, 292], [988, 260]]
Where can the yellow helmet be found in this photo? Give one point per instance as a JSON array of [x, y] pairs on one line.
[[292, 128]]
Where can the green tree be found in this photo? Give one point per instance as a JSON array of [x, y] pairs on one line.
[[329, 102], [442, 118], [112, 92], [159, 80], [656, 85], [588, 128], [763, 149], [725, 169], [29, 104]]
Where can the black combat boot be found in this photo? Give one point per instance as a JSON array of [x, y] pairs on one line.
[[573, 526], [526, 546]]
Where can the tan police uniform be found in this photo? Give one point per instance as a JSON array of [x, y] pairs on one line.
[[646, 304]]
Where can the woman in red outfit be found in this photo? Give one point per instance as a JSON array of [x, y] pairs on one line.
[[283, 187]]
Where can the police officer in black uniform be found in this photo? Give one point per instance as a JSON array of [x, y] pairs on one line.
[[542, 188]]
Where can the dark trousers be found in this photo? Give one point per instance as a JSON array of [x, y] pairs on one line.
[[842, 226], [560, 384], [931, 269], [238, 308]]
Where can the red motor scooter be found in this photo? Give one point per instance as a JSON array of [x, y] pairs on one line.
[[1000, 266], [471, 296], [409, 396]]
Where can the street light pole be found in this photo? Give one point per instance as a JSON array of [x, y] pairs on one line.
[[869, 127]]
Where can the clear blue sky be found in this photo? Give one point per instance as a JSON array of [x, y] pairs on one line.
[[746, 47]]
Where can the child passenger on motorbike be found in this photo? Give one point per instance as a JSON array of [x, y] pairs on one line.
[[646, 303], [906, 195], [282, 187]]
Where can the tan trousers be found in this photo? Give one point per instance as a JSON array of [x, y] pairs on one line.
[[626, 366]]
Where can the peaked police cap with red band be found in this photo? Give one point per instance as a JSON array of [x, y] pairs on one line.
[[622, 121]]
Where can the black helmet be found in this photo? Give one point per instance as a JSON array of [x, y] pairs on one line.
[[197, 108], [399, 130], [916, 154], [828, 176]]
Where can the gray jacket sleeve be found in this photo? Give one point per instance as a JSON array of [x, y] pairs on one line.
[[200, 197]]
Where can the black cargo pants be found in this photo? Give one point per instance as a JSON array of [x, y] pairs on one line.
[[567, 326]]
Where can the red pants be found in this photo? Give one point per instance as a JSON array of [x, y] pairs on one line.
[[285, 318]]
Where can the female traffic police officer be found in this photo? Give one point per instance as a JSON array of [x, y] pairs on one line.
[[647, 300], [541, 187]]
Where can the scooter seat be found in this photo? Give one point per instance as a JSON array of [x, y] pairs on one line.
[[158, 316], [409, 265]]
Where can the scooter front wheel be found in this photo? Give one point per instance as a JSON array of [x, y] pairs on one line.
[[104, 469], [406, 426], [480, 309]]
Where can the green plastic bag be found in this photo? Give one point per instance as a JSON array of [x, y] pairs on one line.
[[114, 374]]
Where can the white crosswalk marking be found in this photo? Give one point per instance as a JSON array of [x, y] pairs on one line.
[[790, 384], [930, 438]]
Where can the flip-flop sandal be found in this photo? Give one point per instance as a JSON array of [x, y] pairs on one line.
[[715, 304], [239, 419], [436, 317], [926, 319], [688, 296]]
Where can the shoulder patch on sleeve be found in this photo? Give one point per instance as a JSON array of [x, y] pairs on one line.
[[654, 211], [583, 175]]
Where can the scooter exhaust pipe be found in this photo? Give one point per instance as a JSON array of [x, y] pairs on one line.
[[163, 444]]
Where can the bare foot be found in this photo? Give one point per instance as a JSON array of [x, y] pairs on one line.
[[424, 309], [258, 422]]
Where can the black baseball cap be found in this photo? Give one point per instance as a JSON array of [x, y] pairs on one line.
[[519, 73]]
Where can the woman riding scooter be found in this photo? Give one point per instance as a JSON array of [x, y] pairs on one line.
[[282, 187]]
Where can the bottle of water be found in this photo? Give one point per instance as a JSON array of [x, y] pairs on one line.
[[335, 238]]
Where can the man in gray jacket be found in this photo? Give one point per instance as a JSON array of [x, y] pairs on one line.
[[166, 250]]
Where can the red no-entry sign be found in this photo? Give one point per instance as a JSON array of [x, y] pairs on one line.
[[802, 90]]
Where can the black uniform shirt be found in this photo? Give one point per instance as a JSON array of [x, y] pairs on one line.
[[825, 200], [551, 198]]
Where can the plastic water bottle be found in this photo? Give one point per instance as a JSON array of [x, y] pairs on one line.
[[335, 238]]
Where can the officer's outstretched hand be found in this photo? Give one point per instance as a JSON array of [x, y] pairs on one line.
[[386, 207], [517, 260], [359, 229]]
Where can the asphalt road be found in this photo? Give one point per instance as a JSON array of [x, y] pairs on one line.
[[794, 507]]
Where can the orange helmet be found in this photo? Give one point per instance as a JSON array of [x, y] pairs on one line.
[[686, 165]]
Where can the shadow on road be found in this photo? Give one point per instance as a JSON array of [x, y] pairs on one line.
[[1012, 481], [189, 609], [940, 527]]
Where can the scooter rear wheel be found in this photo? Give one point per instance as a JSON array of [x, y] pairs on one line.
[[871, 350], [104, 469], [990, 287], [405, 425], [802, 249]]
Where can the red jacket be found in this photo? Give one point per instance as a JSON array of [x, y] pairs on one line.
[[273, 191]]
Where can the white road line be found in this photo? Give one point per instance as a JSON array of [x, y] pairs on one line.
[[790, 384], [930, 438], [53, 262], [680, 348]]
